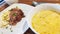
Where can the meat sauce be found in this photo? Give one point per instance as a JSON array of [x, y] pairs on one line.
[[15, 15]]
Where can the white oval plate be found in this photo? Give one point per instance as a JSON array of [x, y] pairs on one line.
[[20, 28]]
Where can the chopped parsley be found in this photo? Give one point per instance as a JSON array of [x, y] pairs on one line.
[[11, 29], [6, 27], [14, 14]]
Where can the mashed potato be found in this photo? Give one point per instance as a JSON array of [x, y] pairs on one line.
[[46, 22], [4, 19]]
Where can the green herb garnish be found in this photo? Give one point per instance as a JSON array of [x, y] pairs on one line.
[[11, 30], [6, 27], [14, 14]]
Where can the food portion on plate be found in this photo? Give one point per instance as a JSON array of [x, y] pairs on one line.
[[46, 22], [11, 17], [15, 16], [4, 19]]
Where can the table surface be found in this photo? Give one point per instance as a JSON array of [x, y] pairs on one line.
[[29, 31], [30, 1]]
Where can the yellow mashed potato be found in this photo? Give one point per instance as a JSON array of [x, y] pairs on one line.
[[46, 22]]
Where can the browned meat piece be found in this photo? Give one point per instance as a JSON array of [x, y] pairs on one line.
[[15, 16]]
